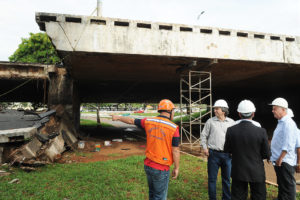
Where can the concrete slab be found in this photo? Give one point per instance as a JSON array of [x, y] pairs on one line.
[[30, 149], [13, 135], [48, 113], [13, 119], [68, 134], [56, 148]]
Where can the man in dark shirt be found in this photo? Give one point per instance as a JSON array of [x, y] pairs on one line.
[[248, 144]]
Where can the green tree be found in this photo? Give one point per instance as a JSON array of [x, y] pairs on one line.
[[36, 49]]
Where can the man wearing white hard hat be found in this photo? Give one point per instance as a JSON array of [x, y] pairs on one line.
[[248, 144], [212, 141], [283, 145]]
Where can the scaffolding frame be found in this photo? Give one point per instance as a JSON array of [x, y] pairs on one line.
[[195, 104]]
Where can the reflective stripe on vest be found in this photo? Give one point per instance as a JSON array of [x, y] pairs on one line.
[[162, 121]]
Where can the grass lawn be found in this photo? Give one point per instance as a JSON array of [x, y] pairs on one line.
[[86, 122], [187, 117], [114, 179]]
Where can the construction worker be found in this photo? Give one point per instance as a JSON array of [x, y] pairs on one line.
[[212, 141], [162, 148], [248, 144], [283, 146]]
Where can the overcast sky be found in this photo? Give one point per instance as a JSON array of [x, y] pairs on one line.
[[17, 17]]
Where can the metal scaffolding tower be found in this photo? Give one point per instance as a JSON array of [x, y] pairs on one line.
[[195, 106]]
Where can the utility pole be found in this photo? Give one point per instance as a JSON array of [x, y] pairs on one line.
[[99, 8]]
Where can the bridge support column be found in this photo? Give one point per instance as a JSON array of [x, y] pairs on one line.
[[63, 96]]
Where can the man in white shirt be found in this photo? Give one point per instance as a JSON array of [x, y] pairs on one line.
[[212, 142]]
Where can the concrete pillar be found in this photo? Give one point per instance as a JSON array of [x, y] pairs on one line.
[[63, 96]]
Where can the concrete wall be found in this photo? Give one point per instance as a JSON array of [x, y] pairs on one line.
[[63, 96], [107, 35]]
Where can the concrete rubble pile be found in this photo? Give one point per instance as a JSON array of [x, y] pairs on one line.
[[29, 139]]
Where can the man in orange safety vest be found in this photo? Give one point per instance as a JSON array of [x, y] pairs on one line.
[[162, 148]]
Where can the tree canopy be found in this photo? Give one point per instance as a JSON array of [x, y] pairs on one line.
[[36, 49]]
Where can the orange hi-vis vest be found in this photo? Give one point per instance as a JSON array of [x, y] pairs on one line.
[[159, 133]]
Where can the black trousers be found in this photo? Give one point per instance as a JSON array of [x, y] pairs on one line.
[[239, 190], [286, 182]]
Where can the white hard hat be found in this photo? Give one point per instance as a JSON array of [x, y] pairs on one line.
[[290, 112], [221, 103], [246, 106], [280, 102]]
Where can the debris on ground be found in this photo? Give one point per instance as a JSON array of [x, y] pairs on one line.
[[117, 140], [35, 139], [16, 180], [97, 147], [81, 144], [28, 169], [131, 139], [107, 143], [4, 173]]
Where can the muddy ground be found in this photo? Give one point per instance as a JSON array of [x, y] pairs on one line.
[[132, 144]]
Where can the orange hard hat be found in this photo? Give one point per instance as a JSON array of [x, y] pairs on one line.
[[165, 104]]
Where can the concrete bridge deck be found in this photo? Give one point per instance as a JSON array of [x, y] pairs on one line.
[[125, 60], [121, 36]]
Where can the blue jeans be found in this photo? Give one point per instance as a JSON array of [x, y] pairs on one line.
[[215, 161], [158, 183]]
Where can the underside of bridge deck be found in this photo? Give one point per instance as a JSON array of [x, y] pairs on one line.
[[141, 78], [128, 78]]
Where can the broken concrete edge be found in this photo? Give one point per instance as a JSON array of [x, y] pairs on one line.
[[27, 154], [48, 113], [51, 150], [7, 135], [55, 149], [42, 147], [30, 149]]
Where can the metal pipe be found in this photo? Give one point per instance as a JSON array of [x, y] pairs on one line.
[[99, 8]]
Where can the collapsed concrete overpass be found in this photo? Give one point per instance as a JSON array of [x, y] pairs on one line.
[[118, 60], [24, 82]]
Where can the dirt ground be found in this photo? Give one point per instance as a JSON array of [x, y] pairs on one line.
[[132, 144], [115, 151]]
